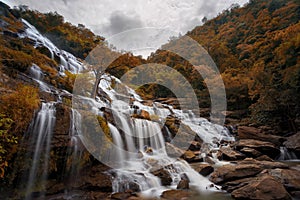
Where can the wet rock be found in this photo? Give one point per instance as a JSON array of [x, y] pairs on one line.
[[265, 187], [246, 132], [141, 115], [164, 176], [249, 152], [108, 115], [149, 151], [176, 194], [121, 195], [226, 153], [189, 156], [293, 143], [290, 178], [202, 168], [266, 148], [263, 163], [173, 151], [264, 157], [183, 185], [232, 172], [195, 146]]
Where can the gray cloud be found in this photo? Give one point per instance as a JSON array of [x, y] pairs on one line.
[[119, 22]]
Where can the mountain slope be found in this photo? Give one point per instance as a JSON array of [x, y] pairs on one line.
[[256, 49]]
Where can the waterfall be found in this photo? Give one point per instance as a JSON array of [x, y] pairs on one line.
[[41, 137], [285, 154], [74, 151]]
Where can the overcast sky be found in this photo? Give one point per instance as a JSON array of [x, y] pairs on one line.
[[147, 23]]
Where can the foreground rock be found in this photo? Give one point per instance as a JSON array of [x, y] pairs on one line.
[[226, 153], [293, 143], [290, 178], [234, 172], [264, 187], [202, 168], [266, 148], [176, 194], [164, 176], [263, 163], [246, 132]]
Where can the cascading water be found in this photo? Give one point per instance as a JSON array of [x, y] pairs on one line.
[[285, 154], [41, 137]]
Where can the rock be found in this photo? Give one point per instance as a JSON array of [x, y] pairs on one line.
[[195, 146], [142, 115], [265, 187], [226, 153], [266, 148], [232, 172], [108, 115], [264, 157], [176, 194], [246, 132], [149, 151], [202, 168], [263, 164], [249, 152], [164, 176], [290, 178], [152, 162], [183, 185], [173, 151], [189, 156], [293, 143], [121, 195]]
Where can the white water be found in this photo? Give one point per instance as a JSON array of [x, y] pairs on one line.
[[285, 154], [41, 136], [140, 135], [68, 61]]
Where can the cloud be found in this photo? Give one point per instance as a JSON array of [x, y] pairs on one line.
[[109, 17], [119, 22]]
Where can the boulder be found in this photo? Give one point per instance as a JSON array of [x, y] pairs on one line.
[[246, 132], [229, 172], [249, 152], [189, 156], [176, 194], [264, 187], [173, 151], [202, 168], [290, 178], [143, 114], [266, 148], [183, 185], [227, 153], [164, 176], [293, 143], [263, 163]]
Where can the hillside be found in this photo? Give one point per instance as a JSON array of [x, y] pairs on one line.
[[256, 49]]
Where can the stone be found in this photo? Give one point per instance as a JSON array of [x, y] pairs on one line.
[[246, 132], [264, 157], [249, 152], [266, 148], [227, 153], [164, 176], [176, 194], [293, 143], [290, 178], [183, 185], [173, 151], [230, 172], [263, 163], [202, 168], [265, 187], [189, 156]]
